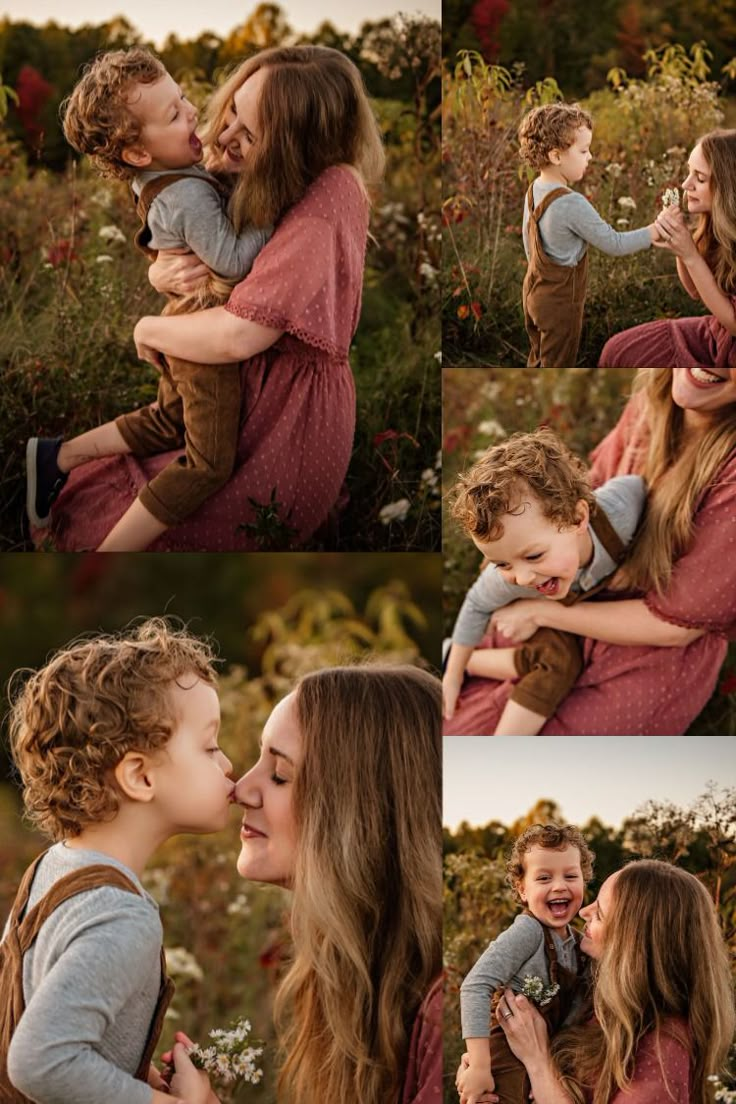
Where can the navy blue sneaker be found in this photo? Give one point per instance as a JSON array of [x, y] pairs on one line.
[[44, 478]]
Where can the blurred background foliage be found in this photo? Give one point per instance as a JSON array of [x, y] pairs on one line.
[[273, 618], [73, 286], [484, 406], [478, 904]]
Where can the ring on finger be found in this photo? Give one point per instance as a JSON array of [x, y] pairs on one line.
[[508, 1014]]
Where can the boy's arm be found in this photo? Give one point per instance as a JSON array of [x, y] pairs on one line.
[[583, 219], [94, 974], [191, 213]]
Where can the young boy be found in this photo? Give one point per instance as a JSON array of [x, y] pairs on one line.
[[558, 224], [548, 870], [129, 115], [528, 507], [115, 740]]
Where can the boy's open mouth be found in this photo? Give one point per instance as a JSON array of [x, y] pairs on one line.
[[195, 143], [548, 588], [558, 907]]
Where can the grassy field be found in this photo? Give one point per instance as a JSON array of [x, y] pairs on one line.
[[483, 406]]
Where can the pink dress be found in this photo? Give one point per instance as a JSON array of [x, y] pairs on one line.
[[298, 404], [650, 1077], [423, 1082], [673, 343], [641, 690]]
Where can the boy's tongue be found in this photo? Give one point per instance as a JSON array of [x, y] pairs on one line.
[[195, 143], [550, 587], [558, 908]]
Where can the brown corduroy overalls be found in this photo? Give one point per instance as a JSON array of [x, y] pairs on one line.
[[22, 931], [550, 661], [553, 296], [511, 1079], [197, 406]]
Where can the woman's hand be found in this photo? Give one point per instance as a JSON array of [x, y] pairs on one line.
[[189, 1083], [524, 1028], [143, 348], [674, 234], [519, 620], [178, 271]]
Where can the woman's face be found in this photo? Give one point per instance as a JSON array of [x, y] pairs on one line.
[[243, 130], [269, 834], [703, 390], [697, 183], [596, 916]]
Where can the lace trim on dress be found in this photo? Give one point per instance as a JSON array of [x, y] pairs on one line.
[[651, 604], [263, 316]]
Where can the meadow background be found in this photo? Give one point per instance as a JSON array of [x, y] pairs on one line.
[[73, 286], [654, 80], [482, 407], [699, 836], [273, 618]]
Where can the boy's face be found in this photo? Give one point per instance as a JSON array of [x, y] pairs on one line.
[[533, 552], [552, 886], [269, 831], [573, 161], [167, 139], [192, 788]]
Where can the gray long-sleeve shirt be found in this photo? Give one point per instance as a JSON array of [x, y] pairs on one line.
[[571, 223], [90, 983], [190, 214], [622, 499], [518, 952]]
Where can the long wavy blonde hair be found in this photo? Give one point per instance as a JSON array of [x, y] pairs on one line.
[[663, 956], [678, 467], [314, 114], [366, 917], [715, 232]]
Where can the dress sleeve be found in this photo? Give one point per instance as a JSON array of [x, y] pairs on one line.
[[654, 1081], [702, 589], [423, 1081], [307, 280]]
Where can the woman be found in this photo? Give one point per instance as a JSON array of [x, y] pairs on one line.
[[343, 807], [296, 126], [706, 265], [679, 432], [663, 1010]]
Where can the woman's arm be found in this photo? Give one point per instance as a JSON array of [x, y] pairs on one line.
[[686, 279], [526, 1034], [626, 622], [213, 336]]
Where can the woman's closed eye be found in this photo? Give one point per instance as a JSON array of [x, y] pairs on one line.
[[278, 779]]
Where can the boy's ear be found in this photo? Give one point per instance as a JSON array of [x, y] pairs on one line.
[[582, 509], [136, 156], [133, 776], [554, 157]]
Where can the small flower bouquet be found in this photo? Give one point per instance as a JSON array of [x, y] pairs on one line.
[[537, 992], [231, 1056], [671, 197]]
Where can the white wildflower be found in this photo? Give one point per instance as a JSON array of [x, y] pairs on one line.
[[232, 1058], [394, 511], [492, 428], [671, 197], [104, 258], [622, 222], [111, 234], [536, 991], [239, 906], [627, 202], [438, 356], [428, 272], [181, 963]]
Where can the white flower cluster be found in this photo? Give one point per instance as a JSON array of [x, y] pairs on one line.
[[627, 202], [231, 1057], [671, 197], [111, 234], [536, 991]]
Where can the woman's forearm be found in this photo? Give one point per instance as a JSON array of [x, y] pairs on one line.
[[546, 1088], [714, 299], [686, 279], [213, 336], [626, 622]]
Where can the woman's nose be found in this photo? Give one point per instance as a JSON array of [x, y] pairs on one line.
[[228, 134], [584, 911], [247, 792]]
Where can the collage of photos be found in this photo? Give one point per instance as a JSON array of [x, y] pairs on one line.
[[368, 552]]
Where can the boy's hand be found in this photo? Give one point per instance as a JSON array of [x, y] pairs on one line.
[[475, 1084], [451, 685], [518, 621]]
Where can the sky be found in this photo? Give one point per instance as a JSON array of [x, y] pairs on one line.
[[189, 18], [494, 778]]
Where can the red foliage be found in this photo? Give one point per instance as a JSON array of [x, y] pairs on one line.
[[33, 93], [457, 437], [728, 686], [486, 17], [60, 253]]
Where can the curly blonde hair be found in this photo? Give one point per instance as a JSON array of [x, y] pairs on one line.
[[72, 721], [96, 117], [367, 903], [554, 837], [538, 463], [550, 127]]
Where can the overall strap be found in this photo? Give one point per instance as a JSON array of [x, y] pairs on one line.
[[551, 952], [537, 212], [607, 535], [153, 188], [89, 877], [24, 890]]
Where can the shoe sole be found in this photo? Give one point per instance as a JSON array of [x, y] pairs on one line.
[[31, 485]]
